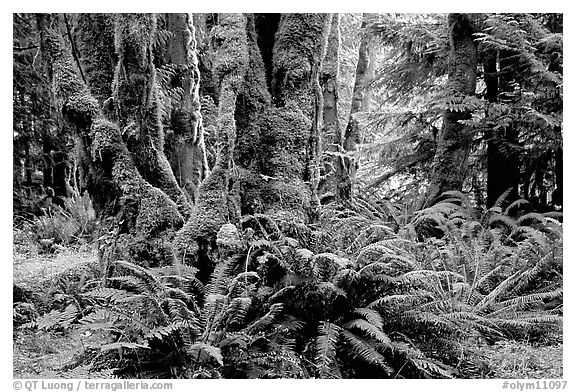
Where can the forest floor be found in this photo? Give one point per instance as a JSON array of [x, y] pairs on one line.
[[41, 354]]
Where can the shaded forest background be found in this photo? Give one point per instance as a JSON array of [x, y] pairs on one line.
[[291, 195]]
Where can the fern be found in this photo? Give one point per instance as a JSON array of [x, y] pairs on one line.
[[326, 342]]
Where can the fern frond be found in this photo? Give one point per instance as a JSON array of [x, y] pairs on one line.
[[237, 310], [369, 330], [202, 352], [221, 277], [153, 284], [360, 349], [267, 320], [326, 342], [371, 315], [123, 345]]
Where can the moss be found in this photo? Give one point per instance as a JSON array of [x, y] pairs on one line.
[[299, 47], [251, 184], [231, 52], [286, 199], [151, 218], [138, 99], [209, 214], [106, 139], [228, 239], [284, 138]]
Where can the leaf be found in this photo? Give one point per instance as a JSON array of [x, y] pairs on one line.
[[360, 349], [203, 352], [369, 329], [326, 342]]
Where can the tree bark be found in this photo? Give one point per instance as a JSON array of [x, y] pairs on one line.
[[451, 158], [333, 137]]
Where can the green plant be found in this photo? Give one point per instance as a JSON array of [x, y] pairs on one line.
[[64, 226], [449, 277], [166, 323]]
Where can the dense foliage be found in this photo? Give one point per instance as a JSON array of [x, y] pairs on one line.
[[260, 211]]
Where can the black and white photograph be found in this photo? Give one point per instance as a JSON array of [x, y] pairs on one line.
[[287, 196]]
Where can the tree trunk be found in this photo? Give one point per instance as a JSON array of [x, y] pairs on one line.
[[217, 201], [333, 137], [557, 194], [292, 128], [146, 216], [186, 151], [352, 133], [137, 96], [47, 170], [503, 171], [95, 36], [451, 159], [278, 144]]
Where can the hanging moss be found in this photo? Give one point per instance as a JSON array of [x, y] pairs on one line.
[[138, 100], [150, 217], [218, 195]]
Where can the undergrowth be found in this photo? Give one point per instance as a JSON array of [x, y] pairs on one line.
[[365, 292]]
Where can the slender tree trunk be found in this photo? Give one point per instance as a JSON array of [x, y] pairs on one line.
[[137, 97], [557, 195], [352, 133], [451, 159], [333, 137], [503, 171], [27, 163], [47, 170]]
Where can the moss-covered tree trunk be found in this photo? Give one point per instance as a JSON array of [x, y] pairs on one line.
[[95, 37], [185, 150], [146, 216], [279, 115], [292, 129], [217, 201], [451, 158], [139, 106]]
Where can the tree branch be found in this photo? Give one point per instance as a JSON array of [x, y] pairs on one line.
[[74, 49]]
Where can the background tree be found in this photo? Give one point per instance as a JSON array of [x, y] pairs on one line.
[[451, 159]]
